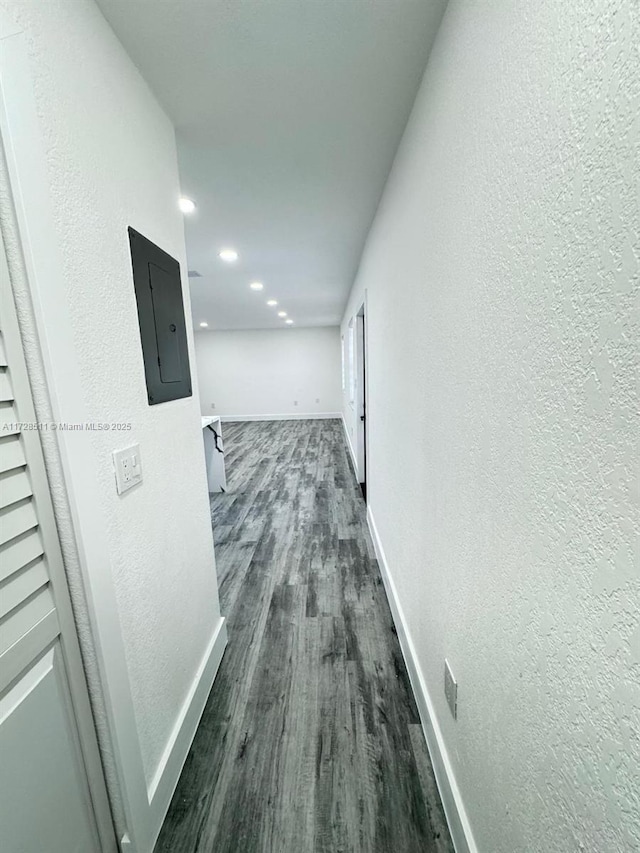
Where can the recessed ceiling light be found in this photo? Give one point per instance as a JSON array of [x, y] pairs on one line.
[[288, 322], [228, 255], [282, 313], [256, 285], [203, 325], [272, 302], [186, 205]]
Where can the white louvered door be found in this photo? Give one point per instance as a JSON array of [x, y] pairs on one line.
[[47, 804]]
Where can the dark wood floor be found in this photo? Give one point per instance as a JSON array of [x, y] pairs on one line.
[[310, 740]]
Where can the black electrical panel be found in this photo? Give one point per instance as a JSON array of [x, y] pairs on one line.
[[156, 278]]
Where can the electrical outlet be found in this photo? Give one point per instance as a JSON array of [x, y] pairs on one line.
[[213, 405], [317, 399], [295, 402], [451, 689], [128, 468]]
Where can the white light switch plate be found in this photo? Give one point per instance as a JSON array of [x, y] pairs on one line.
[[128, 468]]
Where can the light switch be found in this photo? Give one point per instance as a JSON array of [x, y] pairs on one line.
[[127, 467]]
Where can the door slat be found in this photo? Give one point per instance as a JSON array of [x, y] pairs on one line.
[[21, 585], [11, 453], [19, 552], [14, 486], [20, 620], [17, 519], [5, 385]]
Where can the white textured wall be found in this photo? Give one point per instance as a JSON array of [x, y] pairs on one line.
[[263, 372], [502, 277], [112, 163]]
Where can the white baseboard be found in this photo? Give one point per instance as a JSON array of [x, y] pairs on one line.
[[301, 417], [456, 815], [164, 782], [350, 446]]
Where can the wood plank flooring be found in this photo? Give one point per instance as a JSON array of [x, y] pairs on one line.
[[310, 741]]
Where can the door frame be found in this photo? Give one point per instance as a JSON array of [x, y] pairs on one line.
[[361, 396]]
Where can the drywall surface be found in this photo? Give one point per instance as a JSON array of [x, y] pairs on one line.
[[112, 163], [265, 372], [502, 278]]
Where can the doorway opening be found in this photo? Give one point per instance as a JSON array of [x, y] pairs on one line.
[[361, 398]]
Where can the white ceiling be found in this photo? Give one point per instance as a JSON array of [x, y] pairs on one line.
[[288, 114]]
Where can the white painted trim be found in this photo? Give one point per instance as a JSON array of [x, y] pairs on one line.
[[455, 812], [350, 446], [166, 777], [301, 417]]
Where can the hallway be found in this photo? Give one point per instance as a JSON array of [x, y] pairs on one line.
[[310, 740]]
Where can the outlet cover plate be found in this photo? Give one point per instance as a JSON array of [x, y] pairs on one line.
[[128, 468], [450, 689]]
